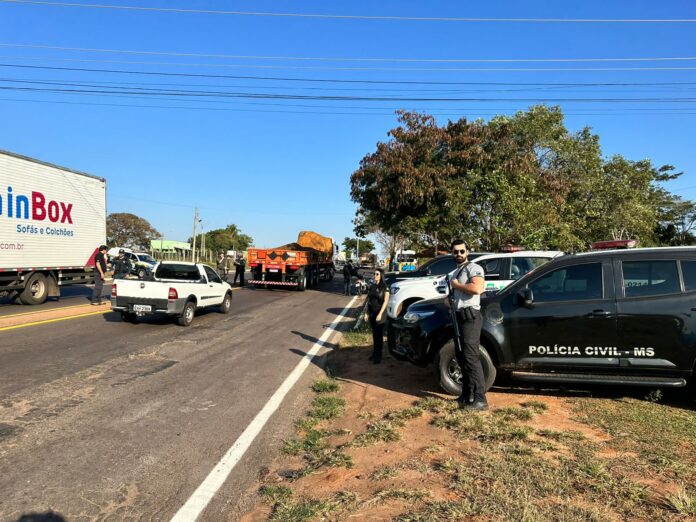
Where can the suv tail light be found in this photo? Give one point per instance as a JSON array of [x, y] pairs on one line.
[[173, 294], [114, 293]]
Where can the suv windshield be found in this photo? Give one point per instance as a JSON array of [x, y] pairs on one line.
[[145, 258], [177, 272]]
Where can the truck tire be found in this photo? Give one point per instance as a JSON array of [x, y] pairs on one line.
[[36, 290], [449, 373], [301, 282], [309, 279], [186, 317], [226, 305]]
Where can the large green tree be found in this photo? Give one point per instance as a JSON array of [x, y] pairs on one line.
[[523, 179], [351, 245], [129, 230], [224, 239]]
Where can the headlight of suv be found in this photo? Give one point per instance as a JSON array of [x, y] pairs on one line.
[[394, 289], [414, 317]]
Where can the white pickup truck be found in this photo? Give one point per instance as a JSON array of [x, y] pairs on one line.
[[175, 288]]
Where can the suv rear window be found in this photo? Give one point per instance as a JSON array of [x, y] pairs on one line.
[[646, 278], [689, 273], [178, 272]]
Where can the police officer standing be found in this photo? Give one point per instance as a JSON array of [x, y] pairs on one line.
[[468, 284], [222, 266], [239, 267], [122, 266]]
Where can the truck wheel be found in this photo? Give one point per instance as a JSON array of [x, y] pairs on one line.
[[36, 290], [302, 282], [226, 305], [186, 317], [450, 375], [128, 317], [309, 278]]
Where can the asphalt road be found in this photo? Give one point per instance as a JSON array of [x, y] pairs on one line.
[[101, 419]]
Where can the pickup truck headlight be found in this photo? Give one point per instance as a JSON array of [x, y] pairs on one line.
[[394, 289], [414, 317]]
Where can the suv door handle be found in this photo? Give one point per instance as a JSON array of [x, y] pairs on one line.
[[600, 313]]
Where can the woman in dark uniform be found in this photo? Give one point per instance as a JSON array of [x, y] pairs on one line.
[[377, 299]]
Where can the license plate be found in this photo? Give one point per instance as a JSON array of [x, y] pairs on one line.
[[273, 270], [142, 308]]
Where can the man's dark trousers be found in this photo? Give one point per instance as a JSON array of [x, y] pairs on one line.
[[473, 381], [239, 273], [98, 289], [346, 285]]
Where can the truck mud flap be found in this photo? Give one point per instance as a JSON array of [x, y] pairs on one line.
[[269, 283]]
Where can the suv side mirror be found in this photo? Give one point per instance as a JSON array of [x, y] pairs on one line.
[[527, 297]]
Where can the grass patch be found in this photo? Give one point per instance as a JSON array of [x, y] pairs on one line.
[[378, 431], [681, 502], [561, 436], [409, 495], [326, 386], [400, 416], [384, 473], [663, 437], [275, 494], [514, 413], [535, 406], [325, 408], [356, 339]]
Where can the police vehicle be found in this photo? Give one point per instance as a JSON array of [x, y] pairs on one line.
[[625, 317]]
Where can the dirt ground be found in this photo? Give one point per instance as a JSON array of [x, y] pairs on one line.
[[399, 450]]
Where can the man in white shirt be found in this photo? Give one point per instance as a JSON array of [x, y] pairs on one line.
[[468, 284]]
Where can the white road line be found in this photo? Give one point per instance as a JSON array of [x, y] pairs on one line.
[[200, 499]]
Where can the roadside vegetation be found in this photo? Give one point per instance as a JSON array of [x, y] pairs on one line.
[[531, 458]]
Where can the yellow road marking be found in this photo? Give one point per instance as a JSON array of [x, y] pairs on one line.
[[47, 321], [43, 311]]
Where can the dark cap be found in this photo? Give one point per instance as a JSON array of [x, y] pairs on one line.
[[121, 251]]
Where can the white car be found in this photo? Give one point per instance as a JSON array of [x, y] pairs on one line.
[[501, 270], [176, 288]]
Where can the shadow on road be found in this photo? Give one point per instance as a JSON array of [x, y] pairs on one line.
[[49, 516], [313, 340]]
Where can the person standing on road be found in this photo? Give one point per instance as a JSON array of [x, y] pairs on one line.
[[468, 283], [347, 274], [122, 266], [377, 299], [239, 267], [222, 266], [100, 267]]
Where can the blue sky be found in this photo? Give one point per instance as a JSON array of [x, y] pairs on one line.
[[277, 166]]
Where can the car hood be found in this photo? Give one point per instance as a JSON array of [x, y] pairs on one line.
[[417, 280]]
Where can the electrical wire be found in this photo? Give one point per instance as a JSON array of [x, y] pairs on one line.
[[338, 80], [349, 59], [351, 17]]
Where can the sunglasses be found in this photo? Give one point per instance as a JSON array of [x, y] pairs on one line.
[[455, 251], [377, 274]]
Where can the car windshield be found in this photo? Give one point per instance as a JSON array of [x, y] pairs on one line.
[[146, 258], [177, 272]]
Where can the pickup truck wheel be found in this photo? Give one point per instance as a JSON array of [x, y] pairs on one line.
[[450, 375], [36, 290], [226, 305], [128, 317], [186, 317]]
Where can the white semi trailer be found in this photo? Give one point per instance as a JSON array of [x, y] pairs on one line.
[[52, 221]]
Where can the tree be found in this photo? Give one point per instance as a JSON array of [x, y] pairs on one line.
[[224, 239], [390, 243], [351, 245], [129, 230]]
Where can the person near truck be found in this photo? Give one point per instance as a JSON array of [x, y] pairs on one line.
[[100, 267], [122, 266], [468, 284], [239, 267], [348, 272], [377, 300], [222, 266]]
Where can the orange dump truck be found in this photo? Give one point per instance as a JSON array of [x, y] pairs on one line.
[[300, 265]]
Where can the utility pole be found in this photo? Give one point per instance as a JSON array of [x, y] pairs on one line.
[[203, 251], [195, 224], [357, 250]]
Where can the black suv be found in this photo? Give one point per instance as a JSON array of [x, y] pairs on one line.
[[614, 317]]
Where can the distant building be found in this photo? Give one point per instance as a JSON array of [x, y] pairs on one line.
[[167, 246]]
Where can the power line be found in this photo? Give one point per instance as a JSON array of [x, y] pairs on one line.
[[350, 59], [226, 109], [251, 95], [366, 69], [338, 80], [352, 17]]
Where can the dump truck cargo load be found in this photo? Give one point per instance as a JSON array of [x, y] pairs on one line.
[[302, 264]]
